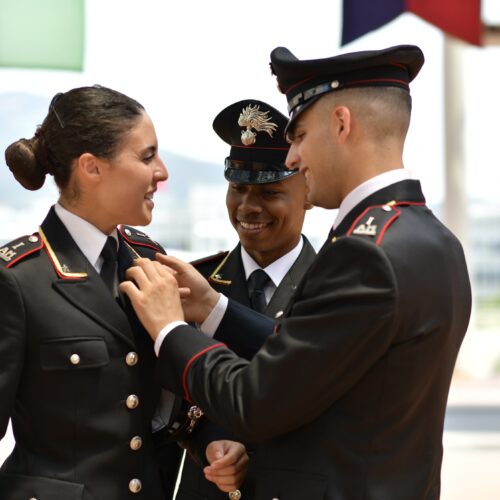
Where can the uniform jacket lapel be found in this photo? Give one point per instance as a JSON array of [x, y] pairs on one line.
[[230, 278], [287, 287], [79, 283]]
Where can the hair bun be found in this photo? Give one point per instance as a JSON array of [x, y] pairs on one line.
[[23, 163]]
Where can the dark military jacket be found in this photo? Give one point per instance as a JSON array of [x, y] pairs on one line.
[[347, 399], [77, 374], [226, 274]]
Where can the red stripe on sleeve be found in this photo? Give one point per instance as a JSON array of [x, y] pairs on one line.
[[188, 365]]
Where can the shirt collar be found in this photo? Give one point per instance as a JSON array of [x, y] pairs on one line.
[[88, 238], [277, 269], [358, 194]]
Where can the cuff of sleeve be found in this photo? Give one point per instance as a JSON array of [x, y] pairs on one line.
[[166, 330], [213, 320]]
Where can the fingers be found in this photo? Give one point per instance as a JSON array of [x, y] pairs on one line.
[[153, 292], [229, 462], [172, 262]]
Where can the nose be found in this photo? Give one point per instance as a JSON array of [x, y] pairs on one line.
[[249, 202], [292, 158], [161, 172]]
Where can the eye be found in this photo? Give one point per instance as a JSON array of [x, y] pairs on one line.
[[271, 193], [149, 158], [237, 188]]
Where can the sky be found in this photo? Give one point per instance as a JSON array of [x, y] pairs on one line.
[[185, 61]]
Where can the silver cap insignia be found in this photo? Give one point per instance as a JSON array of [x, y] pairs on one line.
[[252, 118]]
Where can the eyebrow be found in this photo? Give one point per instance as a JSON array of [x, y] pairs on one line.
[[149, 149]]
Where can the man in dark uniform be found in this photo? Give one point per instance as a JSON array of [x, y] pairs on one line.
[[266, 204], [347, 399]]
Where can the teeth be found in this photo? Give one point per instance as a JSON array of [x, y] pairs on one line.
[[252, 225]]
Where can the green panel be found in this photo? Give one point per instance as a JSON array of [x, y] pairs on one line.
[[42, 34]]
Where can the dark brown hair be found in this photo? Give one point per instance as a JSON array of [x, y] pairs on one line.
[[82, 120]]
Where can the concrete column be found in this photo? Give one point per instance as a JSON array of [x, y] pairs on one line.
[[455, 200]]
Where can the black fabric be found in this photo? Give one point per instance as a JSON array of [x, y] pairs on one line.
[[109, 267], [256, 284], [346, 400]]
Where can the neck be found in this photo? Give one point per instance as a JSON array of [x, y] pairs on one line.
[[88, 213]]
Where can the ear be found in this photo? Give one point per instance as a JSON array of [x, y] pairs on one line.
[[90, 167], [342, 121]]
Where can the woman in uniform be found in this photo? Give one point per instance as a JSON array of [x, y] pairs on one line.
[[77, 368]]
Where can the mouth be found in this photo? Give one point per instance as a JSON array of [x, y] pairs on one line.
[[253, 226], [150, 195]]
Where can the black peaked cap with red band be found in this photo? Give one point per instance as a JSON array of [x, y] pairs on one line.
[[256, 133], [304, 82]]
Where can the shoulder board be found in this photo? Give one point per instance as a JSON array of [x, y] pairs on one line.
[[210, 259], [16, 250], [135, 237], [374, 222]]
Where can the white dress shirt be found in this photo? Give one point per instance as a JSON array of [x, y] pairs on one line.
[[88, 238], [276, 270]]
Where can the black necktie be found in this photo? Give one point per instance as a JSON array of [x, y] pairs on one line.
[[110, 263], [256, 284]]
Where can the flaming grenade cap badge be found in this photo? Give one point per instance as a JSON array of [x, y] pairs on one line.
[[252, 118]]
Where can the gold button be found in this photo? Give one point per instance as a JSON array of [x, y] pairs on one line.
[[136, 443], [131, 358], [75, 359], [278, 315], [132, 402], [234, 495], [135, 485]]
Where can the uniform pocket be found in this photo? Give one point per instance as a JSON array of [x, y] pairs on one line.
[[21, 487], [75, 353]]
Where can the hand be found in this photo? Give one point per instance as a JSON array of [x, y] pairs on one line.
[[154, 294], [202, 298], [228, 464]]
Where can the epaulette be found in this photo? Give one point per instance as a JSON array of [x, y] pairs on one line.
[[374, 222], [20, 248], [135, 237]]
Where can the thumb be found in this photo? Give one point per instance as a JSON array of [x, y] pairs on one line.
[[215, 451]]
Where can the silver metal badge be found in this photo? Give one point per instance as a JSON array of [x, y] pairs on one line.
[[366, 229], [7, 254], [252, 118]]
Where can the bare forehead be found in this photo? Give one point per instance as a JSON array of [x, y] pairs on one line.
[[142, 133]]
